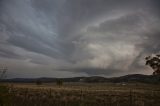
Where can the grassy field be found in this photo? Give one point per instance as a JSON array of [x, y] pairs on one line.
[[80, 94]]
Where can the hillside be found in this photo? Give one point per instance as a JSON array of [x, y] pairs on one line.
[[94, 79]]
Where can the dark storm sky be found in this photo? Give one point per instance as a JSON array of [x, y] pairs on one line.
[[69, 38]]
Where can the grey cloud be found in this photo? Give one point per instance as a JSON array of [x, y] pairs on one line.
[[8, 54], [33, 45], [27, 30], [93, 71], [83, 35], [118, 40]]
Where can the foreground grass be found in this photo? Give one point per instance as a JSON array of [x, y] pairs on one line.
[[5, 97], [80, 94]]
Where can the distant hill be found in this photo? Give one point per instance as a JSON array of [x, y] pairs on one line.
[[94, 79], [45, 79], [137, 78]]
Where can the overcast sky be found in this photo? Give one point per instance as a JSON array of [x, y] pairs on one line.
[[69, 38]]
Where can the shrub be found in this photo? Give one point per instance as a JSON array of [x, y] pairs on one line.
[[38, 82], [59, 82]]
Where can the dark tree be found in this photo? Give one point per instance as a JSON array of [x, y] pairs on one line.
[[38, 82], [154, 63], [3, 71], [59, 82]]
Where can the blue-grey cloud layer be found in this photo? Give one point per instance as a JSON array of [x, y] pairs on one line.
[[62, 38]]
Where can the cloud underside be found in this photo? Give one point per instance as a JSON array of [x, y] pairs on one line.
[[63, 38]]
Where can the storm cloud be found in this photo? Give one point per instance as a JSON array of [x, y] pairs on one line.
[[68, 38]]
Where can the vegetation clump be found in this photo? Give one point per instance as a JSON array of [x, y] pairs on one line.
[[38, 82], [59, 82]]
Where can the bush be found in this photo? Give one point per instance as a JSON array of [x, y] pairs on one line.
[[38, 82], [59, 82]]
